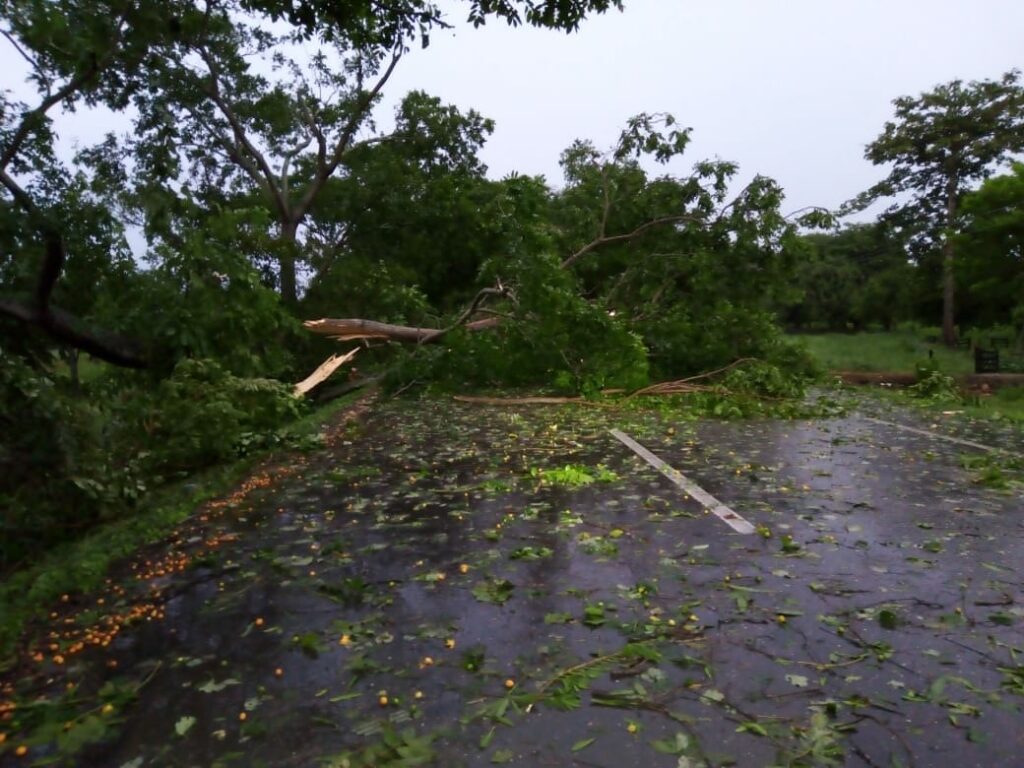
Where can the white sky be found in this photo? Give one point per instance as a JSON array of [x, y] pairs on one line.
[[792, 89]]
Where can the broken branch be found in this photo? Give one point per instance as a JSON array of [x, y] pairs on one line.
[[323, 372]]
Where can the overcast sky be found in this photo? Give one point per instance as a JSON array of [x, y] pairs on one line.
[[792, 89]]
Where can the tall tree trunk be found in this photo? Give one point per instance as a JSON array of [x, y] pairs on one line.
[[70, 356], [286, 262], [948, 261]]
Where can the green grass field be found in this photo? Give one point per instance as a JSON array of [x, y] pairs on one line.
[[898, 352], [895, 352]]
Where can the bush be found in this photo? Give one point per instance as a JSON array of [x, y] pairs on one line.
[[69, 460], [42, 434], [202, 415], [936, 387], [682, 344]]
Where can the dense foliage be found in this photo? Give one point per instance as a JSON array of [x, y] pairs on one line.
[[991, 268], [254, 168]]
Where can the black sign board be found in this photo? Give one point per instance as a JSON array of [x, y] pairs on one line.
[[986, 360]]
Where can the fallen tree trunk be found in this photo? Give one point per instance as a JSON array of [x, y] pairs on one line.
[[530, 401], [355, 328]]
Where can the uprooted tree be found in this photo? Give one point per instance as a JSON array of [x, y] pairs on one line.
[[627, 272]]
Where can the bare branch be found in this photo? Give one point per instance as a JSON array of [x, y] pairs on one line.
[[288, 157], [467, 313], [686, 385], [31, 62], [807, 209], [71, 87], [349, 329], [327, 166], [58, 324], [67, 329], [625, 238], [264, 177], [321, 140]]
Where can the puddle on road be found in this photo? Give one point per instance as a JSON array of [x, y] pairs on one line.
[[438, 590]]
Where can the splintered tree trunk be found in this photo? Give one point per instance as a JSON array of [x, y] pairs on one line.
[[323, 372], [948, 263]]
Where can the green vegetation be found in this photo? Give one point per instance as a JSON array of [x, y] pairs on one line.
[[1002, 404], [937, 146], [135, 381], [245, 177], [995, 470], [573, 476], [895, 352], [80, 565]]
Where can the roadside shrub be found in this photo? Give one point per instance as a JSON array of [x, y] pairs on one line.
[[936, 387], [70, 459], [201, 413], [42, 435], [682, 344]]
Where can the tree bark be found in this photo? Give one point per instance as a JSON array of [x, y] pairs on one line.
[[948, 263], [286, 262]]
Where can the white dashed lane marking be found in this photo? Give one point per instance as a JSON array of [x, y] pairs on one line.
[[926, 433], [698, 494]]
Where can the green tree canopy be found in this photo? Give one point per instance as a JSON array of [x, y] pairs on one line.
[[940, 144], [992, 248]]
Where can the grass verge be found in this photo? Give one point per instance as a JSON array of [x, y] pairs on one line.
[[894, 352], [1006, 404]]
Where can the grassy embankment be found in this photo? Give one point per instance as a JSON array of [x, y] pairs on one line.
[[896, 352], [899, 352], [82, 565]]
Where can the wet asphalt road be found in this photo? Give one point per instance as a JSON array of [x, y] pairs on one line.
[[424, 577]]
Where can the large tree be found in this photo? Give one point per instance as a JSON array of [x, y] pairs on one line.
[[942, 143], [992, 247], [114, 52], [625, 269]]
